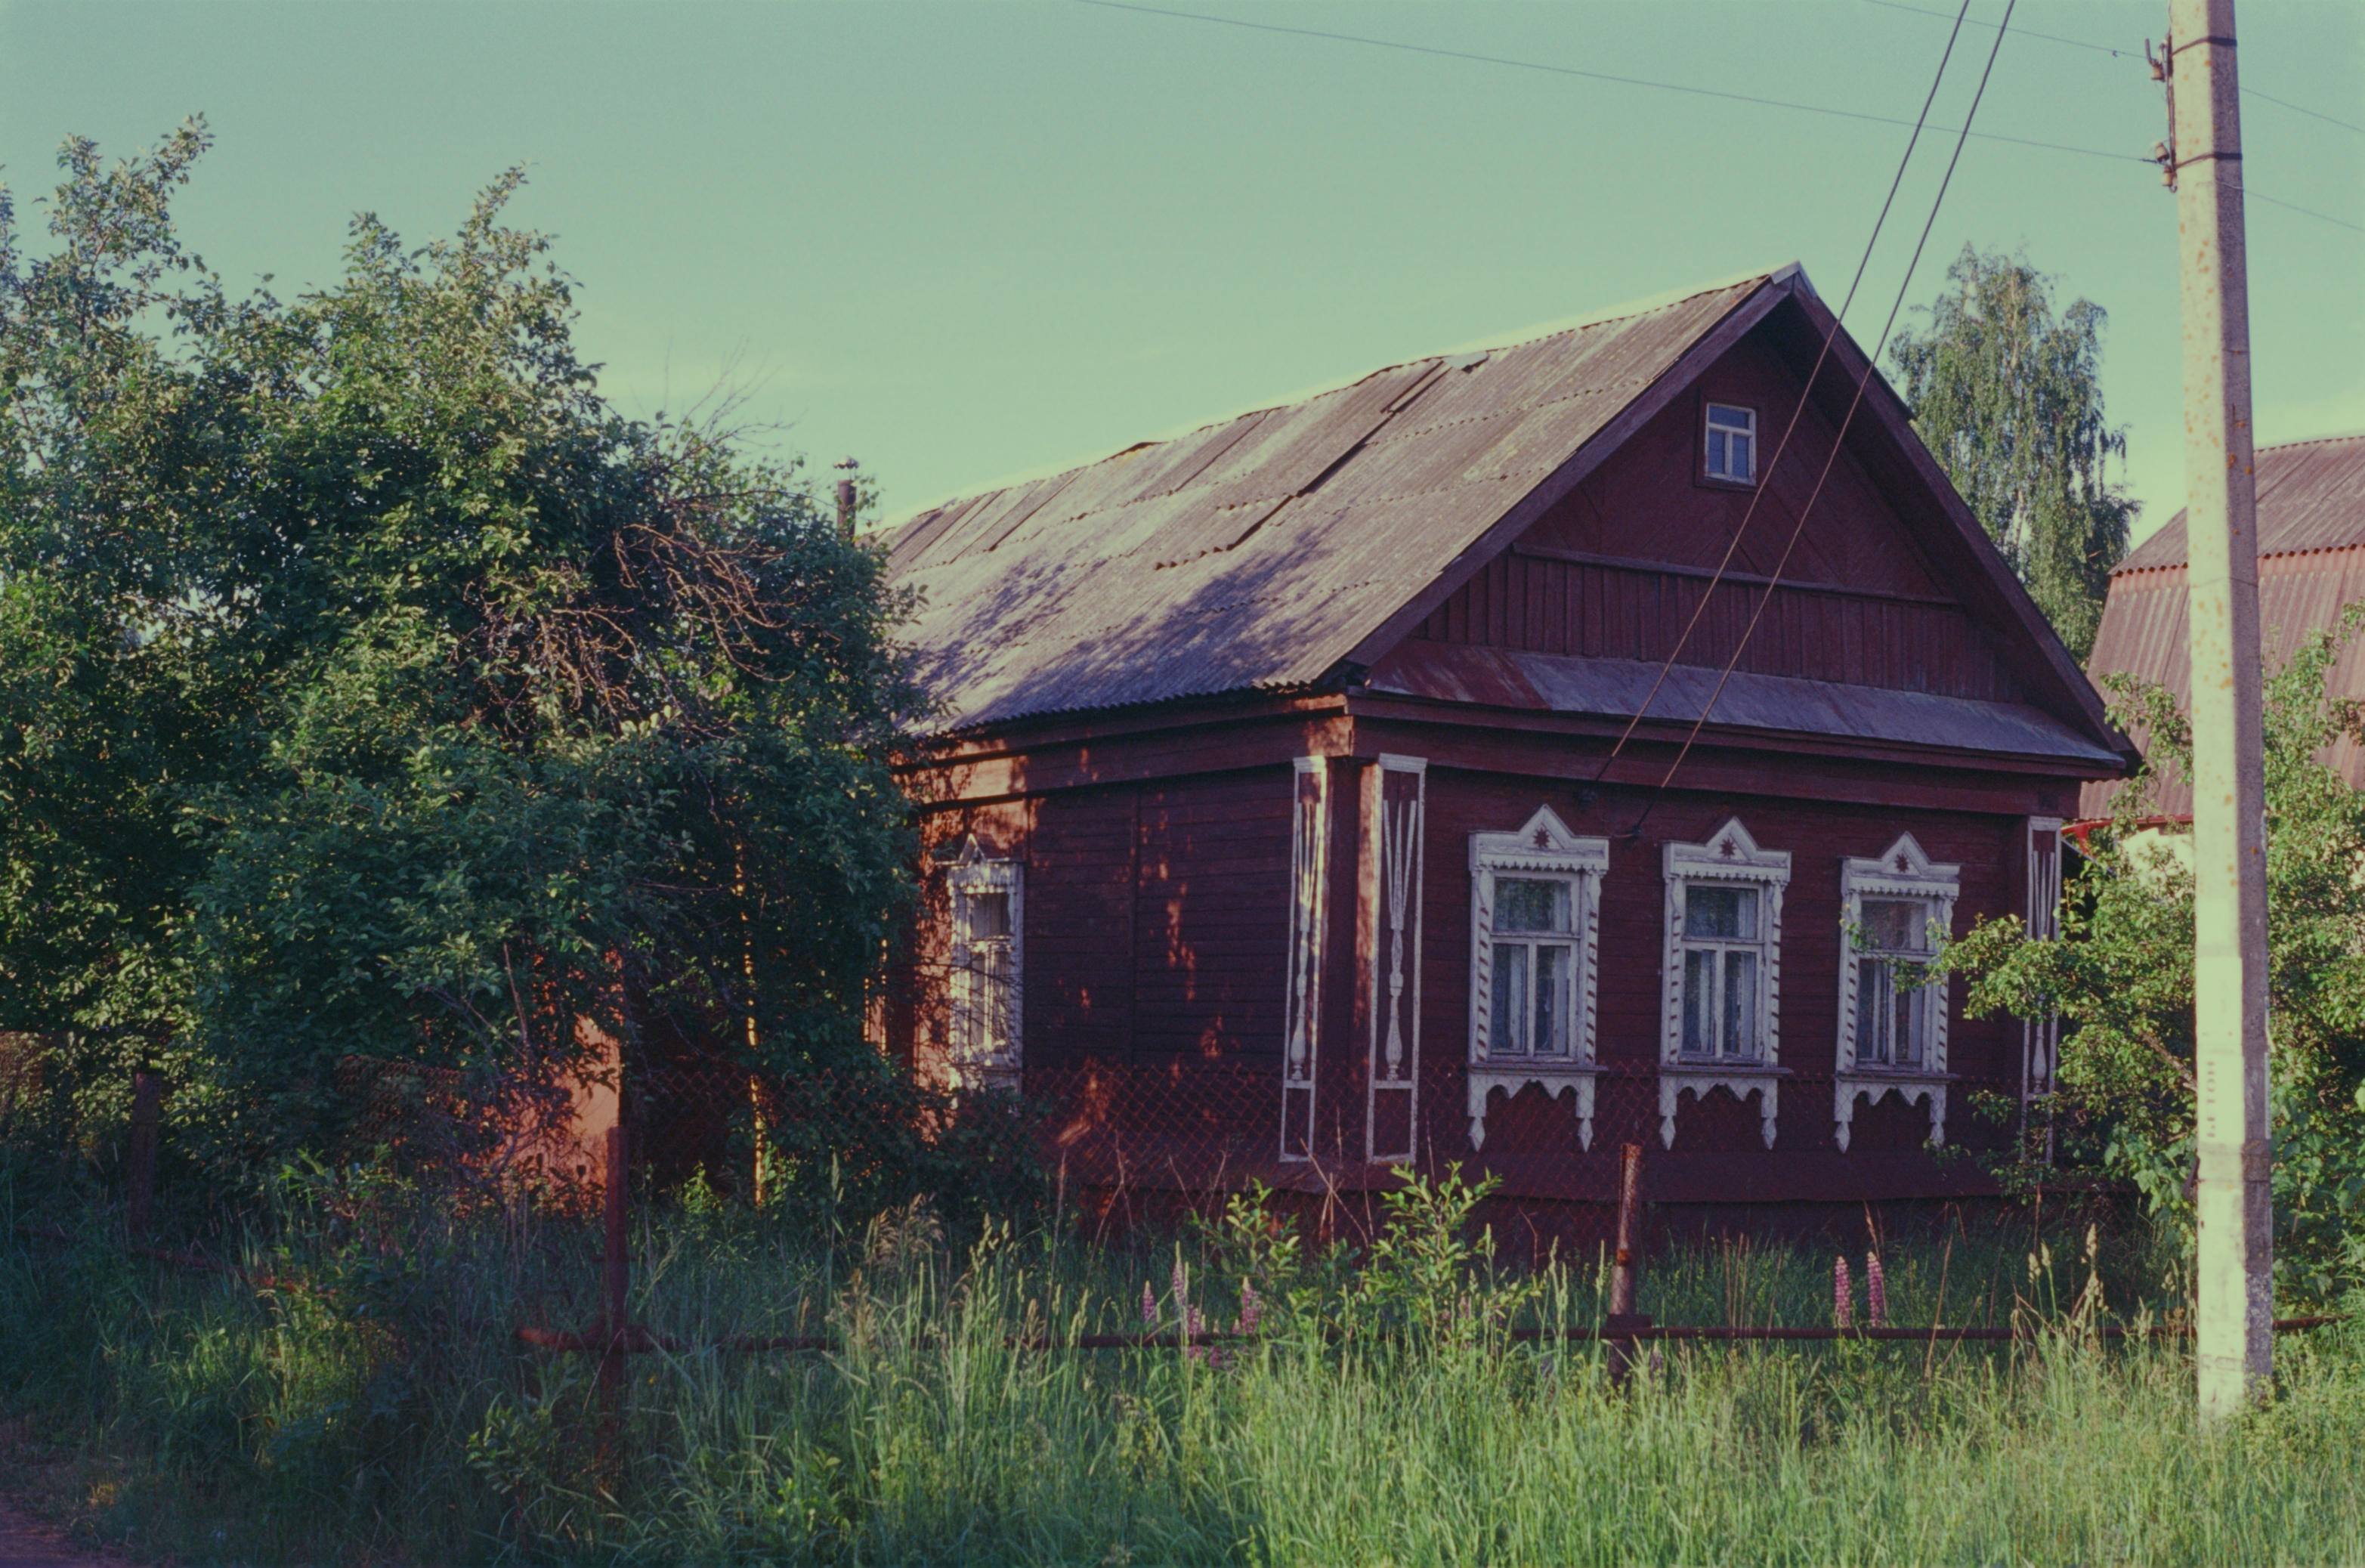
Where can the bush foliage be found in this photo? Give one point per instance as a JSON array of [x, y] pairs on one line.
[[372, 687], [2119, 975]]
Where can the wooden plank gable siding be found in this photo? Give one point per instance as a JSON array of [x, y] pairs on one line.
[[1619, 568], [1549, 604]]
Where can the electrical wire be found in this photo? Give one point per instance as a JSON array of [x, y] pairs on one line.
[[2131, 55], [2295, 206], [1838, 441], [1593, 75], [1806, 390], [1717, 92]]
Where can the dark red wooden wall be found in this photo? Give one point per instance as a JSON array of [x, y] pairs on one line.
[[1618, 567]]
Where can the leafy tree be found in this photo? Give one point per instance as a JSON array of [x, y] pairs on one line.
[[373, 689], [2008, 400], [2119, 975]]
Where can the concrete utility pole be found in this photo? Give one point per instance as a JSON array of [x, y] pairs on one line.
[[2235, 1309]]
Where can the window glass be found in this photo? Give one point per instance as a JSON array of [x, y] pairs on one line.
[[1739, 1035], [1725, 913], [1731, 436], [1699, 1002], [1551, 1009], [1896, 925], [1510, 996], [986, 916], [1531, 905]]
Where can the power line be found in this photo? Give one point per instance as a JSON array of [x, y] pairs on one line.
[[1595, 76], [2295, 206], [1797, 529], [1805, 389], [2048, 38], [1714, 92], [2248, 92]]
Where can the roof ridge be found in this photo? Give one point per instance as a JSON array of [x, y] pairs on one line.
[[1517, 337]]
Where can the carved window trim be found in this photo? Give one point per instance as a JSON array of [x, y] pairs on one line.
[[1903, 871], [982, 1054], [1392, 1065], [1309, 863], [2040, 1038], [1730, 856], [1544, 849]]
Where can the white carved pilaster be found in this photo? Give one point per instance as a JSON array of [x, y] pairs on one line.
[[1309, 833]]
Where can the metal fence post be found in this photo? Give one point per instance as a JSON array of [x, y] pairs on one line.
[[1624, 1320]]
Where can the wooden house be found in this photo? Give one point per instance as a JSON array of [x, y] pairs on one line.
[[1502, 756], [2311, 563]]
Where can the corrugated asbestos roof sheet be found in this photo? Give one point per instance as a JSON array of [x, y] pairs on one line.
[[2311, 497], [1506, 678], [1257, 552], [2311, 544]]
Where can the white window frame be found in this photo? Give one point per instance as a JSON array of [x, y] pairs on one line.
[[1900, 871], [1730, 857], [979, 1059], [1710, 427], [1542, 850]]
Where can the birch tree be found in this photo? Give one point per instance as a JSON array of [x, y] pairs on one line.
[[2008, 397]]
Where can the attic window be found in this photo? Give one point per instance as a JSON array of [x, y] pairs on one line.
[[1732, 443]]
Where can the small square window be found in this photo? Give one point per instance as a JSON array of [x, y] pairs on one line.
[[1732, 443]]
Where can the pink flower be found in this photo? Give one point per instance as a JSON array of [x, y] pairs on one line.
[[1876, 1289], [1842, 1293], [1148, 1306], [1252, 1309]]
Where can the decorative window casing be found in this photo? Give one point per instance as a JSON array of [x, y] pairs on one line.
[[1723, 974], [1535, 924], [2040, 1038], [1309, 837], [1731, 441], [1392, 1099], [1895, 909], [988, 966]]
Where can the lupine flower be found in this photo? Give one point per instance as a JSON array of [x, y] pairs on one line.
[[1252, 1309], [1842, 1293], [1875, 1291], [1148, 1306]]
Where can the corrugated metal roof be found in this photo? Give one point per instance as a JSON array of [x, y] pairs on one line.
[[2312, 547], [2311, 497], [1257, 551]]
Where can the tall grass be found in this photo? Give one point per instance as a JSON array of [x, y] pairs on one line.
[[1384, 1415]]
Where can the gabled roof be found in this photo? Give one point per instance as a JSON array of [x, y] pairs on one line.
[[1258, 551], [2311, 497], [1296, 545]]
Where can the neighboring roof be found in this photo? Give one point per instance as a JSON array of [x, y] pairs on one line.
[[1293, 546], [2312, 548], [2311, 497], [1258, 551]]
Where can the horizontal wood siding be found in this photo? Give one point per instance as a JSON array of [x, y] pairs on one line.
[[1537, 604], [1079, 991], [1211, 917]]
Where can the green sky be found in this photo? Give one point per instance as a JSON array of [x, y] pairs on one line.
[[963, 241]]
